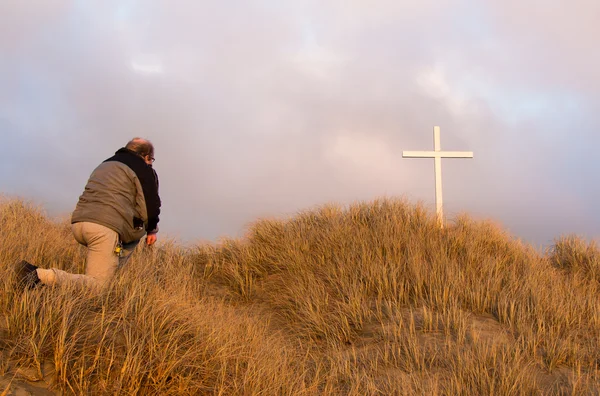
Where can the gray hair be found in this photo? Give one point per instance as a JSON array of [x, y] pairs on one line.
[[141, 147]]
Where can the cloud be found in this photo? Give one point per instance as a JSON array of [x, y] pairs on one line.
[[266, 108], [146, 65]]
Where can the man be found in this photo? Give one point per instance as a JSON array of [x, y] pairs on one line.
[[119, 205]]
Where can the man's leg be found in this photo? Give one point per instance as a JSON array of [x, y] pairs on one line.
[[128, 248], [101, 261]]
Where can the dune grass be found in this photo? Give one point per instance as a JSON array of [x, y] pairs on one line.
[[368, 299]]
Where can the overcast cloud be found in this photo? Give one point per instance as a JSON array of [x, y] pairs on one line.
[[264, 108]]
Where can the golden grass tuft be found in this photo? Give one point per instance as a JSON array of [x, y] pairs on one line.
[[368, 299]]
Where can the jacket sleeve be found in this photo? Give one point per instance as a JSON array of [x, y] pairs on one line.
[[153, 203]]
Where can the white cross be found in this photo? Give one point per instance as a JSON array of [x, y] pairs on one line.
[[438, 155]]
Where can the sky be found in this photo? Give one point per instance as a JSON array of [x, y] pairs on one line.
[[264, 108]]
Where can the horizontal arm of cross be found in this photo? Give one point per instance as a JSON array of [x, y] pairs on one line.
[[440, 154]]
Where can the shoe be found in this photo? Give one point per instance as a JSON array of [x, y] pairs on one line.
[[27, 275]]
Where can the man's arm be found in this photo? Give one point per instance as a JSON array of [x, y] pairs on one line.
[[151, 238]]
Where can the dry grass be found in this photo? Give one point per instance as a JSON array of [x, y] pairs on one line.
[[364, 300]]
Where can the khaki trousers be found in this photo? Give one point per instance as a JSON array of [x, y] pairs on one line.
[[101, 261]]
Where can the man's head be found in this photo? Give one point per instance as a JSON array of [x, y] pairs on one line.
[[143, 148]]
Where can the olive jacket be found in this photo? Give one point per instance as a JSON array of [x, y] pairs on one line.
[[121, 194]]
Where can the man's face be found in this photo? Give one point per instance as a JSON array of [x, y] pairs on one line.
[[149, 159]]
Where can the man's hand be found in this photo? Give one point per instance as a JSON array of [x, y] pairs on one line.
[[150, 239]]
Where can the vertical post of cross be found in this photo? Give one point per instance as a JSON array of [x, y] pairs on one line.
[[439, 199]]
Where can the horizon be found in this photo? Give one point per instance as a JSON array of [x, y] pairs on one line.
[[541, 248]]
